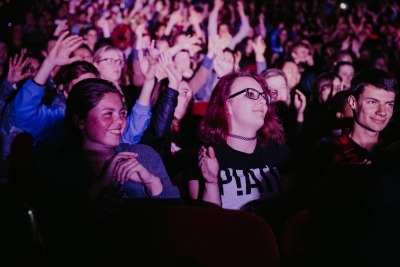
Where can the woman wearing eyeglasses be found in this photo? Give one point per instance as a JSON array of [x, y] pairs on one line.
[[110, 61], [244, 148]]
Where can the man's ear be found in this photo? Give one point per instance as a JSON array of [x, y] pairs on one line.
[[352, 101]]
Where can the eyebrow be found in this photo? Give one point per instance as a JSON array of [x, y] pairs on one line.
[[372, 98]]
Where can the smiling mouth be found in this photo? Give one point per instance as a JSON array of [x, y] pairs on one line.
[[115, 131]]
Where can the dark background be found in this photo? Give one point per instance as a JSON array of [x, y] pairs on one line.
[[11, 11]]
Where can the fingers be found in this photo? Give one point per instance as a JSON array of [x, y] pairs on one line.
[[73, 42], [211, 152], [61, 38], [165, 60]]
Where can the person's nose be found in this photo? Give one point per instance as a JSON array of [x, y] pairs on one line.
[[119, 120], [381, 110]]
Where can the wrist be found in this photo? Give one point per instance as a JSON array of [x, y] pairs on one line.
[[154, 185]]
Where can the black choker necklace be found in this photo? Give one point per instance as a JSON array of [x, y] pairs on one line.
[[242, 137]]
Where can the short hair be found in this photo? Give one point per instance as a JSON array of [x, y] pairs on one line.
[[375, 77], [316, 87], [274, 72], [84, 96], [105, 48], [214, 126], [339, 64]]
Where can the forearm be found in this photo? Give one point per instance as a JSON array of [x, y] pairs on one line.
[[137, 122], [200, 77], [242, 33], [160, 123], [154, 186], [145, 94], [213, 22], [44, 72], [138, 77], [261, 65], [211, 193]]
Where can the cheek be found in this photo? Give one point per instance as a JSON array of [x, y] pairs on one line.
[[94, 127]]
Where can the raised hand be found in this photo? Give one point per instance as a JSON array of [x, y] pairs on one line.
[[216, 43], [259, 46], [147, 63], [189, 41], [15, 66], [222, 66], [139, 31], [208, 164], [195, 17], [174, 76], [64, 46], [300, 102]]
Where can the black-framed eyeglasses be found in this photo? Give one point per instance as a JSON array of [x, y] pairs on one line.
[[112, 61], [252, 94]]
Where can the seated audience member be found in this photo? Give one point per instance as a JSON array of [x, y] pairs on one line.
[[346, 71], [339, 115], [243, 157], [372, 100], [326, 85], [93, 173], [290, 105], [171, 130], [83, 52]]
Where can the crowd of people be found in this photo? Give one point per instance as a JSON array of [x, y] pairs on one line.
[[301, 100]]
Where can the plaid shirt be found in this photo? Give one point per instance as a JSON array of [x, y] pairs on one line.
[[345, 149], [337, 150]]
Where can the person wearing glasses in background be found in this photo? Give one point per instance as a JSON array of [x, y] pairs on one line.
[[110, 61], [243, 152]]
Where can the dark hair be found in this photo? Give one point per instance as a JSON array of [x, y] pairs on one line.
[[70, 72], [375, 77], [343, 63], [214, 126], [85, 46], [84, 96], [316, 87]]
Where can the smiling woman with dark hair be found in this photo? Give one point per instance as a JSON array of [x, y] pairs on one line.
[[93, 174]]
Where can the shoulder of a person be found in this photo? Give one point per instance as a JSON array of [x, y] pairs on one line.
[[137, 148]]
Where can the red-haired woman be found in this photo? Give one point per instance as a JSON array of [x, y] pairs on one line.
[[244, 144]]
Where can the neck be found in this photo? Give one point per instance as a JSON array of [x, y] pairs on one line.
[[242, 145], [365, 138], [244, 138]]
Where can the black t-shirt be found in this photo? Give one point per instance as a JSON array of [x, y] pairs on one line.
[[246, 177]]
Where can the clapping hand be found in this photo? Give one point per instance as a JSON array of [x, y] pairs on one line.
[[208, 164]]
